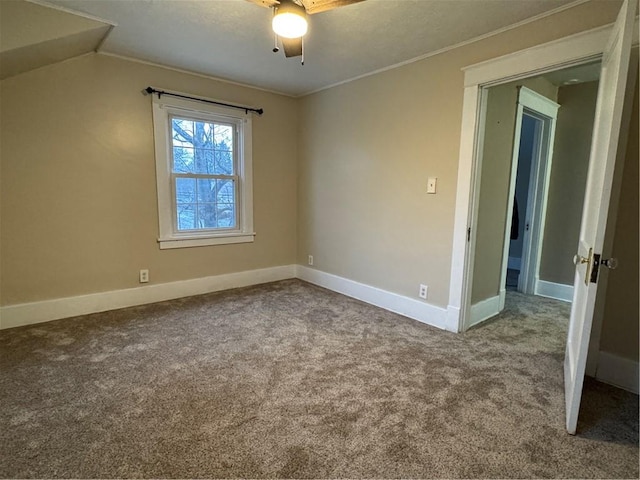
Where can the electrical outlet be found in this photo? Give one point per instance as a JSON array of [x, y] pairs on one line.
[[144, 276], [423, 291], [310, 259]]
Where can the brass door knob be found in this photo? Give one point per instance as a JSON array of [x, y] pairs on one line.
[[579, 259]]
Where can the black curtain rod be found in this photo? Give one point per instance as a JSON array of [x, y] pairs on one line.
[[151, 90]]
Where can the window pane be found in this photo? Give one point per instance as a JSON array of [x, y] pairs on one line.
[[182, 132], [226, 210], [205, 203], [203, 161], [211, 190], [216, 215], [186, 213], [207, 217], [182, 160], [226, 215], [202, 147], [223, 160], [185, 190], [206, 190], [224, 135], [226, 191], [224, 149], [217, 198]]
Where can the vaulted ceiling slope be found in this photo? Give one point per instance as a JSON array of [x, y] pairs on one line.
[[32, 36], [232, 39]]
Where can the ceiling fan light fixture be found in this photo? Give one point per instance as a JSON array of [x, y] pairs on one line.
[[290, 20]]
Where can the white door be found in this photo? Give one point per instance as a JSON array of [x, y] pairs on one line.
[[615, 63]]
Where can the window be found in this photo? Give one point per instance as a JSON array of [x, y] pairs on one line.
[[203, 170]]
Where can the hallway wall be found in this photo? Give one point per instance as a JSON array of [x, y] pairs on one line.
[[574, 127], [620, 329]]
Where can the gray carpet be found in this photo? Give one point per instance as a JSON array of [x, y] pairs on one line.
[[291, 380]]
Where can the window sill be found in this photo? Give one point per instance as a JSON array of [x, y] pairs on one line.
[[167, 243]]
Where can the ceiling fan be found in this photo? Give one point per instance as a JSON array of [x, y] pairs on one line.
[[290, 20]]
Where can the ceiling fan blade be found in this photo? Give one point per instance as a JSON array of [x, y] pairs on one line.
[[317, 6], [265, 3], [292, 46]]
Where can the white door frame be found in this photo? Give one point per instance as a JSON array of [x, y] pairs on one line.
[[573, 50], [546, 111]]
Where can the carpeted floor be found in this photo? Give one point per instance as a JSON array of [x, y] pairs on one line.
[[291, 380]]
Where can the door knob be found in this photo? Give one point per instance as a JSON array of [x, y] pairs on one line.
[[610, 263], [579, 259]]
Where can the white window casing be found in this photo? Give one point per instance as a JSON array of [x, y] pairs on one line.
[[164, 109]]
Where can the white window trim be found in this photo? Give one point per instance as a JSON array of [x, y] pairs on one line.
[[169, 237]]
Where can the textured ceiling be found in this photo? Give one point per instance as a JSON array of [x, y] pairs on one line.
[[232, 39]]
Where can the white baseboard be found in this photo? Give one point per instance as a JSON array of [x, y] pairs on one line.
[[514, 263], [558, 291], [618, 371], [502, 299], [409, 307], [485, 309], [453, 319], [47, 310]]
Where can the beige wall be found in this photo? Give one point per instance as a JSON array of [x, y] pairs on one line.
[[620, 330], [495, 178], [367, 148], [78, 192], [574, 128], [78, 203]]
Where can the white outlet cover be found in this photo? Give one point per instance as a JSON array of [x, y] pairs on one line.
[[144, 276]]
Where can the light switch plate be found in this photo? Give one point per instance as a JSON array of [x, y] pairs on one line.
[[431, 184]]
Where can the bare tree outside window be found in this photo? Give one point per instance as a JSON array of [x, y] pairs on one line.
[[204, 174]]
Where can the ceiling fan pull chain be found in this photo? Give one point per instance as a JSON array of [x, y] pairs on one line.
[[302, 42], [276, 49]]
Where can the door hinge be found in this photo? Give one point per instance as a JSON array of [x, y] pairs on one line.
[[468, 234]]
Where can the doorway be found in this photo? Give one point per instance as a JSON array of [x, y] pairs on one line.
[[613, 47], [524, 194], [531, 167]]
